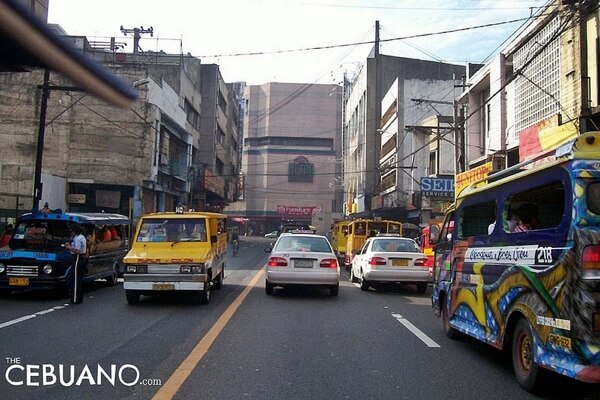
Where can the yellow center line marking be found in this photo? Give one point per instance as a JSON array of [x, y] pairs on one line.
[[170, 388]]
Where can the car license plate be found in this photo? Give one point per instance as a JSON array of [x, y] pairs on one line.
[[400, 262], [303, 263], [18, 281], [163, 286]]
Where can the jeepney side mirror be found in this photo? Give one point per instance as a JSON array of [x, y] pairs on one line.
[[354, 251], [213, 239], [270, 248], [434, 234]]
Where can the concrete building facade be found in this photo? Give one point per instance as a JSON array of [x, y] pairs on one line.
[[540, 91], [385, 154], [150, 157], [291, 153]]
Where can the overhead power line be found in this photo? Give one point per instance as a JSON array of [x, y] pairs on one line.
[[260, 53]]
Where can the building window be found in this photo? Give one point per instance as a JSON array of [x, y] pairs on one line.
[[192, 116], [300, 170], [220, 135], [536, 94]]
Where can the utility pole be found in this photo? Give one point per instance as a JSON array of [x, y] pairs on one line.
[[37, 178], [137, 34]]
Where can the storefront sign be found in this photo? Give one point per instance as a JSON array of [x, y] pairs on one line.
[[291, 211], [437, 187], [464, 179]]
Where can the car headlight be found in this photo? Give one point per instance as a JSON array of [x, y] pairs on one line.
[[2, 268], [132, 269], [47, 269], [185, 269]]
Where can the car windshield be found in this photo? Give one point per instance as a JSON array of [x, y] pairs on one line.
[[172, 230], [395, 246], [303, 243], [40, 235]]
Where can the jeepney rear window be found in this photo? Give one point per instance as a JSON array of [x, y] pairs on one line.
[[593, 197], [172, 230]]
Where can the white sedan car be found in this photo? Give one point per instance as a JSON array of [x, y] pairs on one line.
[[390, 259], [302, 259]]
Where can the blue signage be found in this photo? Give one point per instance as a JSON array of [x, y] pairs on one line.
[[437, 187]]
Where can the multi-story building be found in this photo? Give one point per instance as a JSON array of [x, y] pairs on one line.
[[219, 150], [385, 150], [291, 154], [540, 91], [150, 157]]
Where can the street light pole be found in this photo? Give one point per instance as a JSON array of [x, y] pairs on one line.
[[37, 179]]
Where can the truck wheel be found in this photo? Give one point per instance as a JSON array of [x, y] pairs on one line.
[[526, 370], [203, 296], [133, 296], [218, 283]]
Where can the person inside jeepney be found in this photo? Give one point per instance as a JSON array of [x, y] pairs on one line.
[[528, 218], [6, 235], [46, 209], [114, 234], [105, 235]]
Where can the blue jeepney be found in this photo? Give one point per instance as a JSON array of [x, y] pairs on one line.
[[36, 257]]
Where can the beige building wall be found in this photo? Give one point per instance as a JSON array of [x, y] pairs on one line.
[[284, 122]]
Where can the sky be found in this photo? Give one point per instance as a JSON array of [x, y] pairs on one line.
[[282, 34]]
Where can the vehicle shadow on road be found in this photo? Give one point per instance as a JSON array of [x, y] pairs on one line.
[[301, 292]]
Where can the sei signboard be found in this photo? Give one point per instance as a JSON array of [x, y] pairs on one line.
[[437, 187]]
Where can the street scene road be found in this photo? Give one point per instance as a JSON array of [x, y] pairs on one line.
[[298, 344]]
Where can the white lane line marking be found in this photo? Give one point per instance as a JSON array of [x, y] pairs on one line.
[[416, 331], [26, 317]]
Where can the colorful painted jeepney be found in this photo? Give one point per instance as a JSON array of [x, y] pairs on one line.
[[517, 264]]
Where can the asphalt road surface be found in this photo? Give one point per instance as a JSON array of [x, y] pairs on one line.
[[298, 344]]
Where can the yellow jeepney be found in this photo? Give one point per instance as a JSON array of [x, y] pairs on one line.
[[177, 251], [338, 239], [360, 229]]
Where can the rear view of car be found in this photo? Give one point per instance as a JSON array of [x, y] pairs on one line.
[[390, 259], [302, 259]]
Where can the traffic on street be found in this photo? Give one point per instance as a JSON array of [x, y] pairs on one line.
[[300, 344]]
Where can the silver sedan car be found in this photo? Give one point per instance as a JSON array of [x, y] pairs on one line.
[[302, 259], [390, 259]]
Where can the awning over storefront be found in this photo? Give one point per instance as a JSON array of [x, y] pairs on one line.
[[26, 42]]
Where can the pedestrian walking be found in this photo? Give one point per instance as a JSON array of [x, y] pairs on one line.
[[77, 247]]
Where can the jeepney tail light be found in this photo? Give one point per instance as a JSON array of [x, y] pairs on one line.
[[377, 261], [277, 262], [328, 263], [421, 262], [590, 261]]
